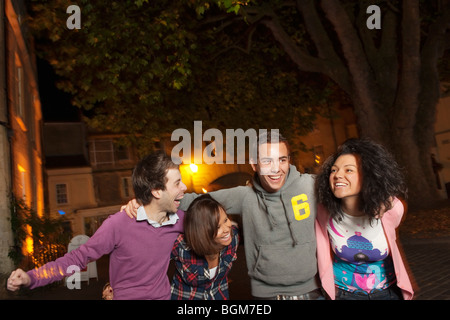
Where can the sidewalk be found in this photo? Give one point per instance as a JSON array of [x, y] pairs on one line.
[[428, 261]]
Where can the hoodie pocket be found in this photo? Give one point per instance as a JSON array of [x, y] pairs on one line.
[[285, 264]]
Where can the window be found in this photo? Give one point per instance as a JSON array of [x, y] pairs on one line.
[[22, 181], [101, 152], [122, 153], [61, 193], [20, 87], [20, 92], [19, 103]]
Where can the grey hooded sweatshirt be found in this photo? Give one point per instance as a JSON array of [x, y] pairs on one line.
[[279, 238]]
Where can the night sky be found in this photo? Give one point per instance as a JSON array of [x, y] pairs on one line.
[[56, 106]]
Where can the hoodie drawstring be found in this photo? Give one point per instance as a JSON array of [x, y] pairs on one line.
[[271, 219], [294, 238]]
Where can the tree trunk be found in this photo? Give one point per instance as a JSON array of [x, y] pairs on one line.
[[385, 94], [400, 131]]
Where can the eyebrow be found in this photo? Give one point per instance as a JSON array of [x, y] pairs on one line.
[[282, 157], [346, 165]]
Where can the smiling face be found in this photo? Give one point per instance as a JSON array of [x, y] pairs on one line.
[[272, 165], [346, 177], [223, 236], [175, 188]]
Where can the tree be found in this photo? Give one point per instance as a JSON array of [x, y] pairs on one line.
[[122, 65], [148, 68], [391, 74]]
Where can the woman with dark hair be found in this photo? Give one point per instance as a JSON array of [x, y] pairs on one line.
[[204, 254], [358, 191]]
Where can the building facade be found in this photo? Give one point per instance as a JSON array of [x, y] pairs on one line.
[[88, 174], [21, 119]]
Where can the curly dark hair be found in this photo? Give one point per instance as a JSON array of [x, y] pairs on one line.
[[382, 178]]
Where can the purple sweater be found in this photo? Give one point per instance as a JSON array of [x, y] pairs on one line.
[[139, 257]]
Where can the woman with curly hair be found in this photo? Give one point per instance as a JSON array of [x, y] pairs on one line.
[[358, 191]]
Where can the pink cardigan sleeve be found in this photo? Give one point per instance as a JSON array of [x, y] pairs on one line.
[[324, 254], [391, 220]]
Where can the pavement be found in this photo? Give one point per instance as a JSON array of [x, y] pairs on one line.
[[427, 261]]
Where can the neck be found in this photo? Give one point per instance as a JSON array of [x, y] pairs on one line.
[[213, 260], [154, 213], [351, 207]]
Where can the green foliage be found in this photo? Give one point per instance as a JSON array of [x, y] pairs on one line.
[[146, 68], [16, 208], [123, 62], [50, 240]]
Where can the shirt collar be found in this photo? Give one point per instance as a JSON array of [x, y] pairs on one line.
[[142, 216]]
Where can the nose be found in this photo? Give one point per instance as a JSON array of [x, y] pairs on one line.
[[183, 187], [275, 167], [337, 174]]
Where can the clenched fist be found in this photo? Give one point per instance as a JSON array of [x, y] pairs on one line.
[[17, 279]]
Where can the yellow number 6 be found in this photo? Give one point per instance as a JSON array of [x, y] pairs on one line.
[[298, 207]]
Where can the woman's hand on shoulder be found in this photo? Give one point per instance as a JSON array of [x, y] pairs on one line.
[[131, 208]]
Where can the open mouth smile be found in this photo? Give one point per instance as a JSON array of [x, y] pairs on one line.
[[177, 201], [340, 185], [225, 238]]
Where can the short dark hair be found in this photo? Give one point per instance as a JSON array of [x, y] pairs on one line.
[[201, 225], [382, 178], [268, 137], [150, 174]]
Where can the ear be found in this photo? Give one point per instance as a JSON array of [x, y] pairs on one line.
[[157, 193]]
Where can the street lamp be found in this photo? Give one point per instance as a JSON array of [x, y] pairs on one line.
[[193, 167]]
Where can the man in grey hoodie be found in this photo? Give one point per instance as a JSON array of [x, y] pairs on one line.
[[278, 214]]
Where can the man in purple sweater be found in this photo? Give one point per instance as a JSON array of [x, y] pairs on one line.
[[139, 249]]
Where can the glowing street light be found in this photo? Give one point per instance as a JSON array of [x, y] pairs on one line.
[[193, 167]]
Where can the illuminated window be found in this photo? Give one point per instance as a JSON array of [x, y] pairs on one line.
[[22, 181], [61, 193]]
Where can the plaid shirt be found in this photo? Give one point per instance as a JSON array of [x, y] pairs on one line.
[[191, 280]]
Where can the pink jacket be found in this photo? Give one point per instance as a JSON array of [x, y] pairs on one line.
[[390, 220]]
